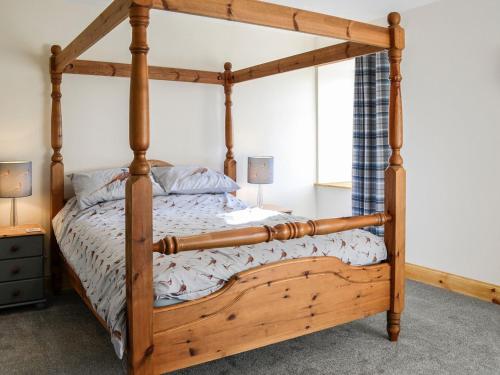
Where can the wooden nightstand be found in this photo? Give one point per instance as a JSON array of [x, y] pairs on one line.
[[274, 207], [21, 266]]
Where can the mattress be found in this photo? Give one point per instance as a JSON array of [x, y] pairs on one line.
[[93, 243]]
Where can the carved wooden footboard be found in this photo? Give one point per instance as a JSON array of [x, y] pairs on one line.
[[266, 305]]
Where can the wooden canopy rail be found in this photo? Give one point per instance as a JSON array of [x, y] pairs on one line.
[[111, 69], [237, 317], [326, 55], [111, 17], [280, 17], [254, 235]]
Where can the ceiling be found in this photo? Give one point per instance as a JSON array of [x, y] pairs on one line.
[[362, 10]]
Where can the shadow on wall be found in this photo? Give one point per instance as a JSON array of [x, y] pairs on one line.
[[497, 64]]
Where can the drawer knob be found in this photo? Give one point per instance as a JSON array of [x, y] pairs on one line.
[[15, 270], [16, 293], [14, 249]]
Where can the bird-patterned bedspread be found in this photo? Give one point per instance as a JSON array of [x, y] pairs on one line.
[[93, 243]]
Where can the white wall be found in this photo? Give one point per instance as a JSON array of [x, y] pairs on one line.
[[333, 202], [451, 92], [451, 83], [275, 115], [335, 95]]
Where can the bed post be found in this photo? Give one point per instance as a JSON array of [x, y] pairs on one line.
[[56, 168], [229, 163], [395, 183], [138, 208]]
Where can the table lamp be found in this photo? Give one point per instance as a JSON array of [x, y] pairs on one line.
[[15, 182], [260, 171]]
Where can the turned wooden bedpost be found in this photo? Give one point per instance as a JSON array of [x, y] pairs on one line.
[[56, 168], [395, 183], [229, 163], [138, 209]]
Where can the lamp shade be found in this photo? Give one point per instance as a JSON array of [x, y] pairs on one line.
[[260, 169], [15, 179]]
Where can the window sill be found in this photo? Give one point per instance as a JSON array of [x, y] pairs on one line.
[[335, 185]]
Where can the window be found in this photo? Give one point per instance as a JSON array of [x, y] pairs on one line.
[[335, 85]]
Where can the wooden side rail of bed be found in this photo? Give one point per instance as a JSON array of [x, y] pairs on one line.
[[255, 235]]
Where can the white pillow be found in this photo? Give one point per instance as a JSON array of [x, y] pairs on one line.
[[103, 185], [193, 180]]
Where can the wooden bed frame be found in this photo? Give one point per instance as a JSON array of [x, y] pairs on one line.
[[266, 304]]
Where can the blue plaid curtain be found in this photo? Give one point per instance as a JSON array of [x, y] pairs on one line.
[[370, 137]]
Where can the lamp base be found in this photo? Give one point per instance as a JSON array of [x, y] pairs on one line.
[[13, 213], [260, 197]]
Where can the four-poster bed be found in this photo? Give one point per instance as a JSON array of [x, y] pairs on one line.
[[266, 304]]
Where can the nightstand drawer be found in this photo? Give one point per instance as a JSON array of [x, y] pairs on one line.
[[19, 269], [21, 291], [20, 247]]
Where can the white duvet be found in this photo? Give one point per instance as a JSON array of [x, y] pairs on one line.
[[93, 243]]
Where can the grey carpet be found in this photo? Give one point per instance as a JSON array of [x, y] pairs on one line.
[[442, 333]]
